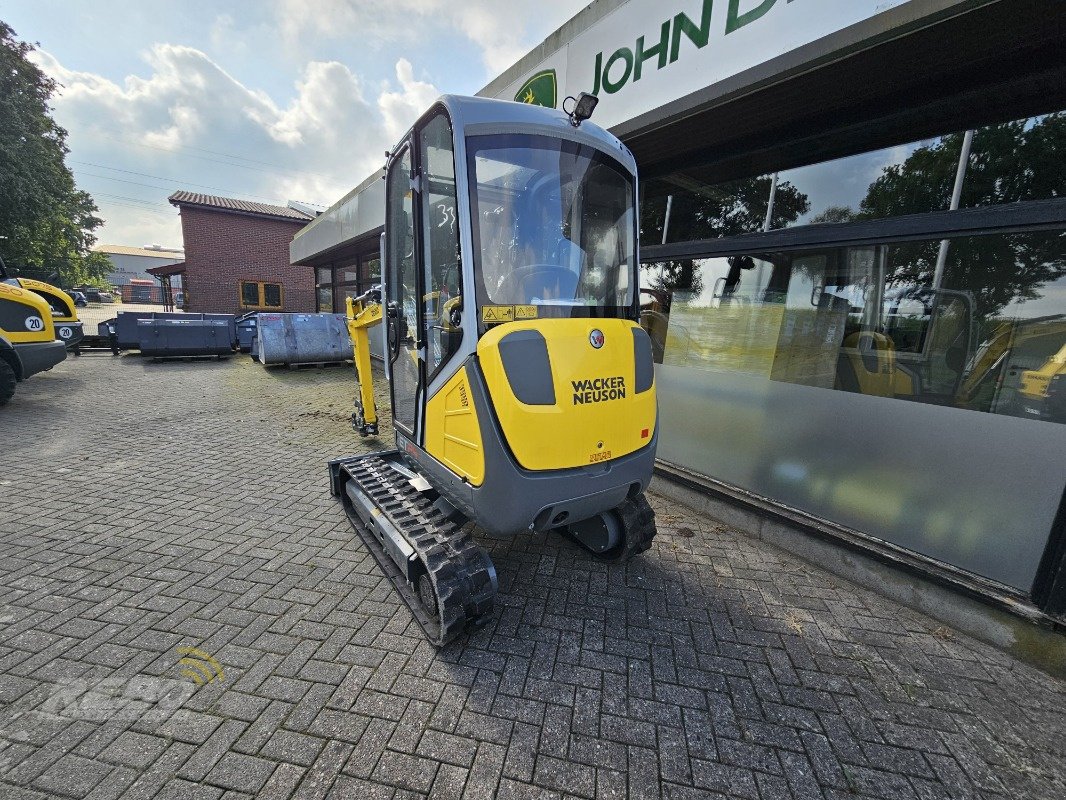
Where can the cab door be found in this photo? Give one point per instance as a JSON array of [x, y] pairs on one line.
[[402, 292], [424, 284]]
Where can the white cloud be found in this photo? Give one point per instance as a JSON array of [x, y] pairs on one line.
[[403, 107], [187, 118], [188, 115], [504, 31]]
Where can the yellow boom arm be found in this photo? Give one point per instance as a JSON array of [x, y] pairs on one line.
[[364, 312]]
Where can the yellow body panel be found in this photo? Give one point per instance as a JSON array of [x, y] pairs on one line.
[[1035, 382], [71, 314], [598, 416], [872, 357], [28, 305], [453, 435]]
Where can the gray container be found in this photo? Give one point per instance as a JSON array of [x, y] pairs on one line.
[[246, 327], [126, 327], [170, 338], [302, 339], [127, 334]]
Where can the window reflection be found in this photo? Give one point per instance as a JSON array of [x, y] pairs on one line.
[[1009, 162], [325, 298], [869, 320]]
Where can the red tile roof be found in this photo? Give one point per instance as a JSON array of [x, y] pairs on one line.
[[243, 206]]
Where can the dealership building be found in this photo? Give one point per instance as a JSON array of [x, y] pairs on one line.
[[853, 247]]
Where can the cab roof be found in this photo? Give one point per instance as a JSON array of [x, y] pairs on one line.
[[473, 116]]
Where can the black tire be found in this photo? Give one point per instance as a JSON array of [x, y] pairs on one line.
[[7, 382]]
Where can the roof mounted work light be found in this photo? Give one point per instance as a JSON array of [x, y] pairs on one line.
[[584, 105]]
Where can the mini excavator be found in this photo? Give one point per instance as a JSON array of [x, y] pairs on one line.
[[522, 385]]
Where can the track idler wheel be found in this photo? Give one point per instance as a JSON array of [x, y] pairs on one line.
[[617, 535], [455, 590]]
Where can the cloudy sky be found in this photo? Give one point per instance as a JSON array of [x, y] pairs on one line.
[[268, 100]]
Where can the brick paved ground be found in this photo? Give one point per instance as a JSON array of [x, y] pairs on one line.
[[147, 506]]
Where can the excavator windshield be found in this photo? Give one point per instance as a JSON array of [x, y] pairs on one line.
[[554, 229]]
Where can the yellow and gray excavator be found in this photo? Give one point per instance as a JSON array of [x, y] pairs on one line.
[[27, 342], [65, 323], [522, 385]]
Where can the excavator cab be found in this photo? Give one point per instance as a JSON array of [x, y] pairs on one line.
[[522, 385]]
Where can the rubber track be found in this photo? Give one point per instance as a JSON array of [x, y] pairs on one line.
[[460, 571], [638, 520], [638, 528]]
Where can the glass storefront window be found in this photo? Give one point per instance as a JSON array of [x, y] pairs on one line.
[[1008, 162], [1017, 161], [371, 271], [907, 179], [325, 299], [697, 211], [867, 320], [842, 383]]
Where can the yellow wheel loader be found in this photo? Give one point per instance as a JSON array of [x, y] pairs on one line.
[[522, 385], [66, 325], [27, 342]]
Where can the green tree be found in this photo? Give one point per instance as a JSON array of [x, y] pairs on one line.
[[46, 222], [834, 215], [1009, 163], [711, 212]]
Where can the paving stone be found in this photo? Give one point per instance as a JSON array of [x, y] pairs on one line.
[[712, 666], [135, 750], [179, 789], [238, 771], [72, 776], [405, 772], [293, 748]]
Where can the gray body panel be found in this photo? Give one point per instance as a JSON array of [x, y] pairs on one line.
[[34, 357], [69, 333]]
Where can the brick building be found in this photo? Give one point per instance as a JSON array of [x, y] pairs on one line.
[[237, 256]]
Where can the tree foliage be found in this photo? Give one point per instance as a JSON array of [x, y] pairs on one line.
[[710, 212], [1009, 163], [47, 221]]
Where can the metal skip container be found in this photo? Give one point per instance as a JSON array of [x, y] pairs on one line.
[[127, 325], [302, 339], [171, 338], [246, 326]]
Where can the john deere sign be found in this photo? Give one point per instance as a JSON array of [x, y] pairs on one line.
[[627, 63], [540, 90], [646, 53]]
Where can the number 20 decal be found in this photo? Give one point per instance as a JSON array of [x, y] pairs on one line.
[[34, 324]]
